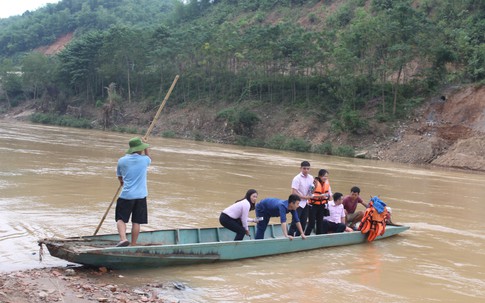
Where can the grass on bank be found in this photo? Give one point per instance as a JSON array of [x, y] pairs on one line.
[[278, 141]]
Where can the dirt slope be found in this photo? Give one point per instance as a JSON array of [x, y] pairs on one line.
[[57, 46], [448, 131]]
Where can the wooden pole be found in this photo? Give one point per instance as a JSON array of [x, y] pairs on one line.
[[145, 138], [107, 210], [150, 128]]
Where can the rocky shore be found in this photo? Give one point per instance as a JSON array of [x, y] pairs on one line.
[[80, 285]]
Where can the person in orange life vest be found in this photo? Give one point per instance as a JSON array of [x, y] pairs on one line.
[[273, 207], [302, 186], [235, 217], [335, 222], [318, 202], [350, 205]]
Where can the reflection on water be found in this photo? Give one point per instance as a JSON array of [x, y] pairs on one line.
[[59, 182]]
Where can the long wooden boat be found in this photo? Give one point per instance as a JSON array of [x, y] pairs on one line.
[[192, 246]]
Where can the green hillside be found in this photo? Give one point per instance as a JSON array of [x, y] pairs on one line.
[[329, 59]]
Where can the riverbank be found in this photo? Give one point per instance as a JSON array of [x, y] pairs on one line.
[[80, 285], [447, 130]]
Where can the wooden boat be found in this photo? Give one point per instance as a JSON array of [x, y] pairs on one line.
[[192, 246]]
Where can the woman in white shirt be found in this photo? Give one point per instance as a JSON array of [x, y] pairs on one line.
[[235, 217]]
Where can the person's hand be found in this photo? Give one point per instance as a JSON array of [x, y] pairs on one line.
[[289, 237], [303, 236]]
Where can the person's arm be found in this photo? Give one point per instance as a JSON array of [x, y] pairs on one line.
[[363, 203], [295, 191], [120, 178], [284, 229], [302, 233], [147, 153], [295, 184], [244, 217], [342, 214]]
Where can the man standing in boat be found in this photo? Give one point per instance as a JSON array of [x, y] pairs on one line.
[[302, 186], [132, 174]]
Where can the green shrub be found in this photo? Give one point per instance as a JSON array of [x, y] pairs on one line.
[[246, 141], [127, 130], [168, 134], [247, 120], [61, 120], [198, 136], [241, 122], [276, 142], [344, 151], [324, 148], [228, 114], [299, 145], [380, 117], [352, 122], [312, 18]]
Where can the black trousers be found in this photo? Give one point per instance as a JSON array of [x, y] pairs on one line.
[[333, 227], [233, 224], [315, 214], [303, 215]]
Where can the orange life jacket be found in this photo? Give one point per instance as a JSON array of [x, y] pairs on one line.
[[373, 223], [319, 190]]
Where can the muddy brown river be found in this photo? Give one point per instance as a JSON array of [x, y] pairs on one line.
[[59, 181]]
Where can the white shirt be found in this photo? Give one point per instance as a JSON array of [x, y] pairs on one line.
[[239, 210], [302, 184], [336, 212]]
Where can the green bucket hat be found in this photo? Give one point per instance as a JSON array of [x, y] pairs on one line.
[[136, 145]]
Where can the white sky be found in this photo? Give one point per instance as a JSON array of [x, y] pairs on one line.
[[18, 7]]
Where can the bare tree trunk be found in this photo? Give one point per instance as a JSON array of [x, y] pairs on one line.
[[383, 85], [129, 85], [8, 100], [396, 90]]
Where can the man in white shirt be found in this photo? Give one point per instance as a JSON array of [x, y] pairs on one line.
[[335, 222], [302, 185]]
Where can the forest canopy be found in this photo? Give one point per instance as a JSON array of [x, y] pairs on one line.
[[335, 57]]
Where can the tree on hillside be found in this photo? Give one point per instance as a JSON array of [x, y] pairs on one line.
[[37, 73], [79, 63]]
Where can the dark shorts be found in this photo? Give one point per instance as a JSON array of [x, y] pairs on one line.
[[136, 207]]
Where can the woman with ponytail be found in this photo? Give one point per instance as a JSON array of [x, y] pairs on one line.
[[235, 217]]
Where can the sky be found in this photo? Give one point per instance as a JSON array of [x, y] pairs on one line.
[[18, 7]]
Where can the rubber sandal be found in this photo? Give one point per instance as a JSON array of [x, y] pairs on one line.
[[123, 243]]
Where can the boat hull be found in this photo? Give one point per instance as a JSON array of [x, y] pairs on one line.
[[192, 246]]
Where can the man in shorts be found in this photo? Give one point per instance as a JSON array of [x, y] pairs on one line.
[[132, 174]]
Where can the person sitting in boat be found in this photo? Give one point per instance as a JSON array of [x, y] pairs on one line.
[[350, 205], [335, 221], [273, 207], [235, 217]]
